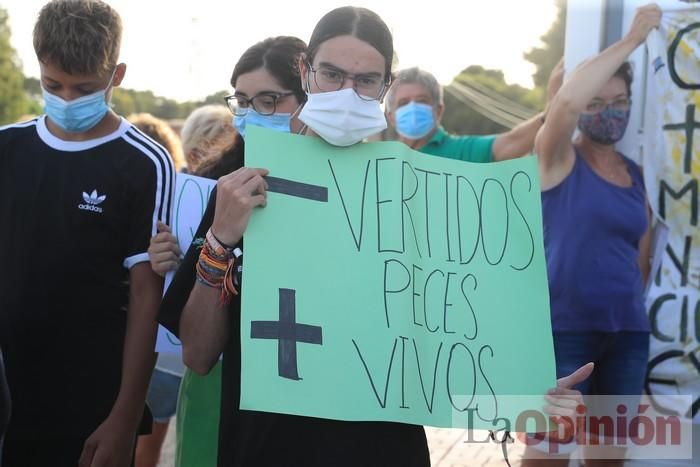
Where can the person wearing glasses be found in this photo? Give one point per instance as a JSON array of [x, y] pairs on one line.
[[345, 74], [347, 66], [596, 225], [267, 91], [414, 108]]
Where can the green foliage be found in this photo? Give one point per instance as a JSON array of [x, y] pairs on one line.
[[545, 58], [14, 100], [129, 101], [216, 98], [461, 118]]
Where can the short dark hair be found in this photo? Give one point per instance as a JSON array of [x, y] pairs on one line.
[[626, 74], [358, 22], [80, 36], [278, 55]]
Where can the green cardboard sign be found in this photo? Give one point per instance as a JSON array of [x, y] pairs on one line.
[[381, 283]]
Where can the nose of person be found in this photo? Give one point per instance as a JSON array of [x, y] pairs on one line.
[[349, 83]]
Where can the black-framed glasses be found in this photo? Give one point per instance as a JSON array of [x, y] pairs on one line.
[[368, 86], [622, 104], [264, 103]]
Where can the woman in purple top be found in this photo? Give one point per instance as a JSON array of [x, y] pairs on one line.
[[596, 226]]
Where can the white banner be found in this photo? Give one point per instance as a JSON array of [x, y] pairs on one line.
[[671, 159], [191, 199]]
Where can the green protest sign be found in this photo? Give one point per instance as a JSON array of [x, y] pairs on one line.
[[385, 284]]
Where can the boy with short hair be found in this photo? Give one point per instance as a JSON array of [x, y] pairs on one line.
[[81, 193]]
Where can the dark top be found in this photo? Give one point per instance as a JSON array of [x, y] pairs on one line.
[[4, 400], [259, 439], [76, 216], [592, 230]]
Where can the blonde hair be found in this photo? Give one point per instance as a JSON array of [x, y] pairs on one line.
[[161, 132], [203, 129], [80, 36]]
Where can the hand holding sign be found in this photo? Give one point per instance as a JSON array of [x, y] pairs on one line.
[[237, 194], [562, 400], [164, 251], [647, 18]]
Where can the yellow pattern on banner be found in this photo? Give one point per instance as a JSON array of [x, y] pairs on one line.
[[671, 157]]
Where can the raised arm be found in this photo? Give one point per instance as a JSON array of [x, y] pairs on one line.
[[205, 320], [520, 141], [553, 142]]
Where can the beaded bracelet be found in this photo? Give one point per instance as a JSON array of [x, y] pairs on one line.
[[215, 266], [213, 262]]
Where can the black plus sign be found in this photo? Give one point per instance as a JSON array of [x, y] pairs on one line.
[[288, 333], [689, 126]]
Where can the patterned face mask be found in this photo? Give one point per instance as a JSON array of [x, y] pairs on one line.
[[606, 127]]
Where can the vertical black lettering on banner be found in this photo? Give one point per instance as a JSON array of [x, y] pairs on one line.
[[502, 189], [529, 230], [403, 372], [405, 208], [380, 399], [684, 265], [689, 126], [388, 291], [428, 405], [692, 187], [427, 206], [380, 219], [672, 50], [460, 371], [356, 236], [654, 317]]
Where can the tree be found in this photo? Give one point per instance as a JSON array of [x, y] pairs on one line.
[[477, 88], [14, 101], [128, 101], [545, 58], [216, 98], [460, 115]]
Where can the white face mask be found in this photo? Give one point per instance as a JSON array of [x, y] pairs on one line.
[[341, 117]]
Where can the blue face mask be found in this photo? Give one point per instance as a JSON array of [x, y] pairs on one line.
[[277, 122], [78, 115], [414, 120]]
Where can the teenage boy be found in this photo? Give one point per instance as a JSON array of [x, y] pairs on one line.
[[81, 193]]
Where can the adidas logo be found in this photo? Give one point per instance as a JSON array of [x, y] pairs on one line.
[[92, 201]]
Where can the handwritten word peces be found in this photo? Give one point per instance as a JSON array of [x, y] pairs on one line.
[[431, 294]]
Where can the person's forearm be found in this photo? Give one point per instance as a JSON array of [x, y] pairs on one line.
[[139, 344], [519, 141], [587, 79], [203, 328]]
